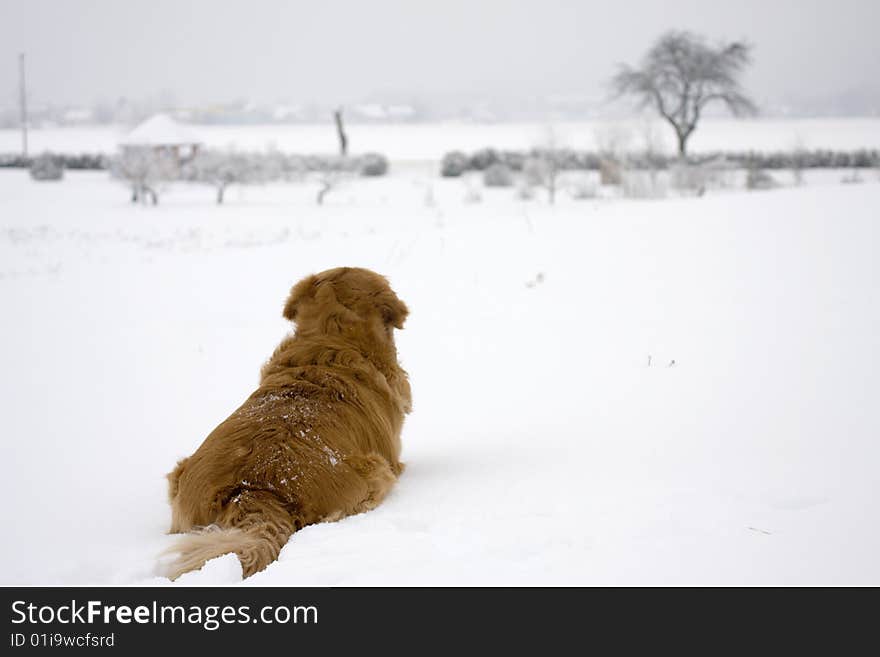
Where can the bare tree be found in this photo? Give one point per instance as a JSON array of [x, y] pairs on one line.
[[612, 143], [332, 176], [144, 169], [681, 74], [653, 150], [327, 181], [543, 167], [221, 169]]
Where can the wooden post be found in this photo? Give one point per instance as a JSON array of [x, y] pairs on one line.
[[343, 139]]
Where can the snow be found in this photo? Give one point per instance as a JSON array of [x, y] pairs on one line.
[[429, 141], [160, 130], [543, 449]]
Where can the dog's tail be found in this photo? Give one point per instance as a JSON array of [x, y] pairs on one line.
[[252, 527]]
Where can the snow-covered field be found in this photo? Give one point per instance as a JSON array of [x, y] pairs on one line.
[[682, 391], [428, 141]]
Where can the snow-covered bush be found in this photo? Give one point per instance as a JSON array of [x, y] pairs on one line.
[[498, 175], [454, 164], [582, 189], [697, 177], [47, 167], [688, 178], [373, 164], [641, 184], [484, 158], [514, 160], [321, 163], [759, 179]]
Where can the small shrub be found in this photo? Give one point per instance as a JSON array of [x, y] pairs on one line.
[[47, 167], [582, 190], [498, 175], [513, 159], [483, 159], [695, 177], [638, 184], [534, 171], [760, 179], [689, 178], [374, 164], [454, 164]]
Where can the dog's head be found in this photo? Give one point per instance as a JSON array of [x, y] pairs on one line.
[[346, 301]]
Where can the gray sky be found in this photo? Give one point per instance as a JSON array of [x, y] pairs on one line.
[[80, 51]]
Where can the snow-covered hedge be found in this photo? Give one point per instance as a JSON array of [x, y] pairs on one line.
[[91, 161], [456, 163], [287, 164]]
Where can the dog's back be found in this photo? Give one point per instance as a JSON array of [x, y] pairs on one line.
[[318, 440]]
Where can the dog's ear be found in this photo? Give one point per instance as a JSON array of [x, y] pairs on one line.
[[394, 311], [298, 293]]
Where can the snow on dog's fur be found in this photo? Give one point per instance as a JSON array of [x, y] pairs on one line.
[[318, 440]]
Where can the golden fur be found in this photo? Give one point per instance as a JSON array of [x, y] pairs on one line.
[[318, 440]]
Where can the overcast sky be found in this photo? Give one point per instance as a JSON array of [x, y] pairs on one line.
[[80, 51]]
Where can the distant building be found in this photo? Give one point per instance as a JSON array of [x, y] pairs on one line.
[[383, 112], [78, 116], [164, 136]]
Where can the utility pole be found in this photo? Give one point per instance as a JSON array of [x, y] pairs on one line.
[[23, 95]]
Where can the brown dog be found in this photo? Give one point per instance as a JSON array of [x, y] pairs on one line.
[[317, 441]]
